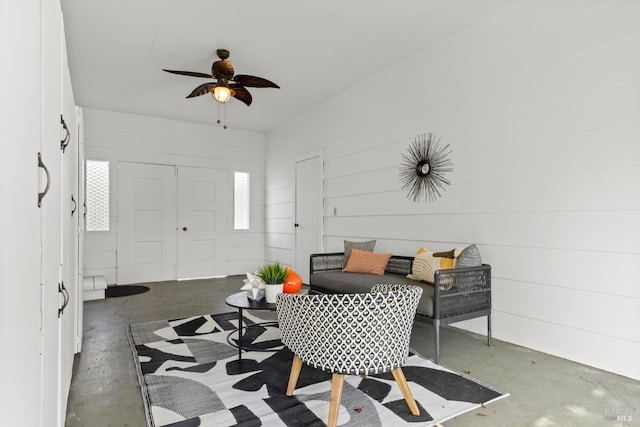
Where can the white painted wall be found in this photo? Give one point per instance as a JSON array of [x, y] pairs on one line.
[[125, 137], [541, 105]]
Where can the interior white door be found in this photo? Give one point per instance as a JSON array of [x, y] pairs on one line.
[[21, 289], [202, 222], [52, 221], [68, 261], [308, 211], [79, 223], [146, 247]]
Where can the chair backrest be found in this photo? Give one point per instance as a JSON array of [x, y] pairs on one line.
[[350, 333]]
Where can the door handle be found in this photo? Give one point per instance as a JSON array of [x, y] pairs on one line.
[[46, 171], [65, 295], [75, 205], [64, 141], [184, 228]]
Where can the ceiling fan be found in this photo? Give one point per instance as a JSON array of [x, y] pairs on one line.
[[227, 84]]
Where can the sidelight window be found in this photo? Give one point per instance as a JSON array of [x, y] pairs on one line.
[[97, 195], [241, 201]]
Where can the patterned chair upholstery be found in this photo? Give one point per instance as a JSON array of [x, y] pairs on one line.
[[350, 334]]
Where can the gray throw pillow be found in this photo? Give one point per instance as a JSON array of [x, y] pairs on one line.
[[368, 246], [469, 257]]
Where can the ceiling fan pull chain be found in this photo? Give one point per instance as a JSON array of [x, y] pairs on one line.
[[225, 117], [224, 113]]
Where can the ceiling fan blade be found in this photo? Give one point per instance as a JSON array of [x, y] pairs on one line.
[[189, 73], [253, 81], [241, 93], [201, 90]]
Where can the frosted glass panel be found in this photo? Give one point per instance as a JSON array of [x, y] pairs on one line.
[[241, 201], [97, 197]]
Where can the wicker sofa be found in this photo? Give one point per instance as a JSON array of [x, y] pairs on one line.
[[457, 294]]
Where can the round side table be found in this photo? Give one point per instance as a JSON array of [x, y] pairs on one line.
[[240, 301]]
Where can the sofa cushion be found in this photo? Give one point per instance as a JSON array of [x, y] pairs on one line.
[[447, 258], [469, 257], [366, 262], [340, 282], [426, 263], [368, 246]]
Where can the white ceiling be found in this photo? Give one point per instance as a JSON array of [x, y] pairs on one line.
[[313, 50]]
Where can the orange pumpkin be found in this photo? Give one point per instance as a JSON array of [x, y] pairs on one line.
[[293, 282]]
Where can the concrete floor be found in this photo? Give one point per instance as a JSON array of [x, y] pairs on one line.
[[545, 390]]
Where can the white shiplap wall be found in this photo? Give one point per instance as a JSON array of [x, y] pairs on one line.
[[125, 137], [541, 105]]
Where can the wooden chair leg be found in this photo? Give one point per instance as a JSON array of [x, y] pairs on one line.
[[296, 365], [337, 383], [398, 375]]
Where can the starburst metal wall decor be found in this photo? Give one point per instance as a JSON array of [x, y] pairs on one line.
[[423, 168]]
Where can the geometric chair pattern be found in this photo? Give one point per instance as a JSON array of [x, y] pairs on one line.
[[350, 334]]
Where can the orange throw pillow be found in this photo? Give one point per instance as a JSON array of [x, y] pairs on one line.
[[366, 262]]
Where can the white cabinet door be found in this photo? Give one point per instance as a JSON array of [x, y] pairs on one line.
[[51, 211], [32, 389], [70, 213], [202, 222], [78, 302], [146, 248], [20, 226]]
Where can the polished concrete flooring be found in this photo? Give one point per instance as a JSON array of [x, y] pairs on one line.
[[544, 390]]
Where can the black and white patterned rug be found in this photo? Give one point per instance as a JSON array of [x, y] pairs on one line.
[[191, 376]]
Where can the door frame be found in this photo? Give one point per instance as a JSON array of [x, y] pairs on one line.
[[319, 154]]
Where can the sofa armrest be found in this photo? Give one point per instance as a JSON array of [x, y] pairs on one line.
[[460, 291], [326, 262]]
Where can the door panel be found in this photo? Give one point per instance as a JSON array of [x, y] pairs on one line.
[[146, 223], [51, 211], [202, 222], [79, 303], [308, 212]]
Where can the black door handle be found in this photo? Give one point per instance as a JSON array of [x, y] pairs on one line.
[[64, 141], [65, 295], [75, 205], [46, 171]]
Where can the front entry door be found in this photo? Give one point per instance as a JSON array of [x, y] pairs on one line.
[[146, 223], [202, 222], [172, 223]]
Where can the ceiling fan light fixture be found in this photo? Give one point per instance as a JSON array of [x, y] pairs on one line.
[[222, 94]]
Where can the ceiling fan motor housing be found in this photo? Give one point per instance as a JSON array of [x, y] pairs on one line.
[[222, 69]]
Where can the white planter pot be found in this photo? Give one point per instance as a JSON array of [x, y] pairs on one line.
[[272, 291]]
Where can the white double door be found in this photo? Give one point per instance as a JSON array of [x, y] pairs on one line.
[[172, 223]]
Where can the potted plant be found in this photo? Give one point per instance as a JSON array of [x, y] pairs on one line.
[[273, 276]]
